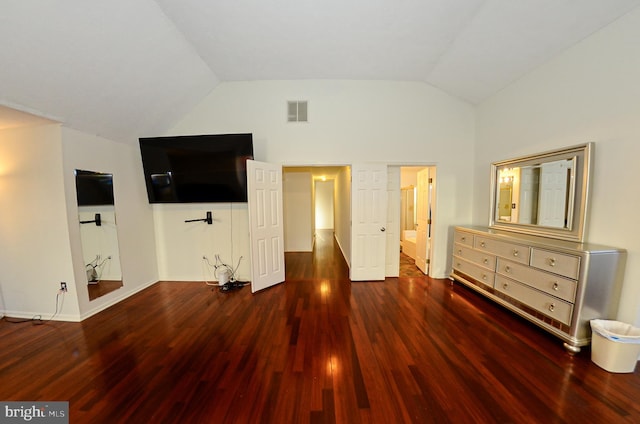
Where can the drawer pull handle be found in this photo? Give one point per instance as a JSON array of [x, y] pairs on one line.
[[552, 307], [505, 286], [507, 268], [482, 244], [459, 265], [459, 251], [515, 252], [463, 238], [485, 261], [484, 276], [556, 286], [552, 262]]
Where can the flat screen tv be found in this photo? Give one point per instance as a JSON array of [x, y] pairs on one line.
[[196, 168], [93, 188]]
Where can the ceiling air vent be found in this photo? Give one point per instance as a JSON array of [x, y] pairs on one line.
[[297, 111]]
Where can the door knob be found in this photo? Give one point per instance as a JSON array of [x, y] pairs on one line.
[[383, 229]]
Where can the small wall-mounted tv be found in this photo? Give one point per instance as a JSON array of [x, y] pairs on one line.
[[196, 168]]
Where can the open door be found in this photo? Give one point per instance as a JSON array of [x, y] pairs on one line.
[[266, 228], [368, 222], [392, 268], [423, 220]]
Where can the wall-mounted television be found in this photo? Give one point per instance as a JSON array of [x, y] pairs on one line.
[[196, 168]]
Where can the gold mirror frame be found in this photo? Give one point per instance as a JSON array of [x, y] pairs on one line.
[[581, 159]]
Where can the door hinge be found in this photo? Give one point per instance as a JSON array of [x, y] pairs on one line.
[[428, 261], [429, 221], [430, 180]]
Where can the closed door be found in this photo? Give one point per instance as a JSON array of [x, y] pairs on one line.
[[368, 221]]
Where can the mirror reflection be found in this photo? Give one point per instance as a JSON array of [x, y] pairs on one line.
[[98, 232], [407, 208], [539, 194], [544, 194]]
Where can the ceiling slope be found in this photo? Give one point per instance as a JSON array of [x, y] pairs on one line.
[[124, 69], [118, 68]]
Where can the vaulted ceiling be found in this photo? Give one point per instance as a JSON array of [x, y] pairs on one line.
[[124, 68]]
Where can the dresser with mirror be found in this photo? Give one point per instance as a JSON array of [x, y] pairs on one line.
[[533, 258]]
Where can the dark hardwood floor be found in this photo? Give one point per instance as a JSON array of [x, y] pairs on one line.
[[103, 287], [316, 349]]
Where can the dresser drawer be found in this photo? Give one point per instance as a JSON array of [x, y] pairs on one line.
[[541, 302], [558, 263], [463, 238], [552, 284], [478, 273], [512, 251], [478, 258]]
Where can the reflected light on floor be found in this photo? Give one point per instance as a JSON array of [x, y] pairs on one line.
[[332, 365]]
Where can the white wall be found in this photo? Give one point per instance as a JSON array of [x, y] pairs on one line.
[[35, 254], [354, 121], [99, 243], [324, 205], [409, 176], [181, 245], [591, 92], [133, 214], [342, 205], [298, 211]]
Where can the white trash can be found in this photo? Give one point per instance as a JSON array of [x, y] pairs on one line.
[[615, 345]]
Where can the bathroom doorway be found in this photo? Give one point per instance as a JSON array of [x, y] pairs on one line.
[[417, 202]]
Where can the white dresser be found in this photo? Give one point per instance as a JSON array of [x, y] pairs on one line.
[[558, 285]]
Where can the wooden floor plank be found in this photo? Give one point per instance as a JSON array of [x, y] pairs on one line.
[[315, 349]]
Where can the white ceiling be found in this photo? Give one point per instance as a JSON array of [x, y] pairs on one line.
[[124, 69]]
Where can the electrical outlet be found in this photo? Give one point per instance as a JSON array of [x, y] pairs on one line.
[[63, 286]]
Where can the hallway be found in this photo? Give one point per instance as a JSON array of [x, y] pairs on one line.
[[327, 261]]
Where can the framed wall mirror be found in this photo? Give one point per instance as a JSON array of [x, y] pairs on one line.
[[98, 232], [544, 194]]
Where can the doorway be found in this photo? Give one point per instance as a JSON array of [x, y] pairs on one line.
[[416, 198], [314, 200], [318, 198], [324, 204]]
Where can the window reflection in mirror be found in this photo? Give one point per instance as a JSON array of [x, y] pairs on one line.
[[98, 232], [544, 194]]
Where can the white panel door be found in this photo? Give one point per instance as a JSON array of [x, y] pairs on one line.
[[423, 221], [266, 232], [528, 208], [553, 194], [368, 222], [392, 267]]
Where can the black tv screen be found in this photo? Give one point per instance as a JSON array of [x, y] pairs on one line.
[[93, 188], [196, 168]]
